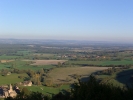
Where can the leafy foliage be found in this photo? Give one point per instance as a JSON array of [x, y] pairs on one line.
[[91, 90]]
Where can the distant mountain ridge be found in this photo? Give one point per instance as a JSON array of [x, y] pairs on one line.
[[61, 42]]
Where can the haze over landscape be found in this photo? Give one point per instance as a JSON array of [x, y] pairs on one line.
[[93, 20]]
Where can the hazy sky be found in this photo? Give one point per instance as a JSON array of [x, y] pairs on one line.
[[67, 19]]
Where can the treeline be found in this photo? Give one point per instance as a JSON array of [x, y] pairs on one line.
[[40, 77], [98, 65], [91, 90], [5, 72], [112, 70], [11, 49]]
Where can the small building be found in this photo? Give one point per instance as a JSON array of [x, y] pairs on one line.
[[26, 83], [12, 93], [9, 73], [7, 92]]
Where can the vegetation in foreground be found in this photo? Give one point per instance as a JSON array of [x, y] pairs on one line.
[[91, 90]]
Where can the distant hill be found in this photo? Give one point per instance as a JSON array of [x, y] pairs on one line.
[[59, 42]]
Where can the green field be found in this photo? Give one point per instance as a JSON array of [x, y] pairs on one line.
[[121, 78], [24, 65], [11, 79], [3, 66], [5, 57], [102, 63], [60, 74], [43, 54], [25, 52], [38, 67], [48, 90]]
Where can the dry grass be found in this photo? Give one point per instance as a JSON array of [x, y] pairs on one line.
[[59, 75], [5, 61], [46, 62], [30, 45], [45, 55]]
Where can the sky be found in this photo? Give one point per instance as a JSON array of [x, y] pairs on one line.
[[93, 20]]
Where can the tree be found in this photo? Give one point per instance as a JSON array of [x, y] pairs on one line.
[[42, 71], [48, 82], [59, 64], [93, 90], [25, 91]]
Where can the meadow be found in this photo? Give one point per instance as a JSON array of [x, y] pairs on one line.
[[59, 75], [11, 79], [121, 78], [102, 63], [48, 90], [46, 62]]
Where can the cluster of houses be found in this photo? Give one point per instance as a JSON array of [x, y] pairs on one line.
[[26, 83], [80, 56], [9, 91]]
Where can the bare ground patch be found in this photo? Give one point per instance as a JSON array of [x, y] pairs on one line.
[[46, 62], [5, 61], [60, 75]]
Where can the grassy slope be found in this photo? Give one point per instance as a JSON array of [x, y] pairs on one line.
[[23, 65], [60, 74], [117, 80], [48, 90], [13, 78], [104, 63]]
